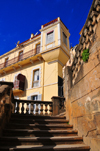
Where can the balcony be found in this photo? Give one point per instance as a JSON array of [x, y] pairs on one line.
[[19, 84], [20, 58]]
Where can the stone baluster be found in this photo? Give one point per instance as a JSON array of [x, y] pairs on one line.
[[27, 108], [90, 28], [46, 109], [32, 108], [94, 28], [84, 45], [76, 60], [77, 54], [98, 18], [85, 32], [89, 23], [22, 108], [98, 8], [36, 110], [50, 109], [87, 38], [83, 39], [87, 45], [94, 20], [17, 108], [41, 110]]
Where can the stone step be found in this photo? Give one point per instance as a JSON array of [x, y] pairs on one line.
[[38, 121], [72, 147], [40, 140], [38, 133], [39, 126], [30, 116]]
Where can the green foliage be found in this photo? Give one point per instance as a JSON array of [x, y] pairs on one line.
[[85, 55]]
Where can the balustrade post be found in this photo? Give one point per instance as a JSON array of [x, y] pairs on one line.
[[32, 108], [41, 110], [58, 104], [36, 109], [50, 109], [27, 108], [22, 108], [17, 108], [46, 109]]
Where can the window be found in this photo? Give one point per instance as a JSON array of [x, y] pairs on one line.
[[65, 39], [6, 62], [35, 97], [36, 78], [20, 55], [50, 37], [37, 48]]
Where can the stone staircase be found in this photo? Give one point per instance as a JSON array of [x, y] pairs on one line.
[[40, 133]]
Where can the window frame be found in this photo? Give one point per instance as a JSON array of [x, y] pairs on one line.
[[47, 37], [35, 81], [6, 62], [38, 51], [64, 36], [20, 57], [32, 76]]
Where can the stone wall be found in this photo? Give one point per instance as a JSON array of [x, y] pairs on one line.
[[83, 98], [6, 106]]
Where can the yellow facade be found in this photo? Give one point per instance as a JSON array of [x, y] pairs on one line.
[[43, 62]]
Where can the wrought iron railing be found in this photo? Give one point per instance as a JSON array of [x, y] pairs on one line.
[[16, 59]]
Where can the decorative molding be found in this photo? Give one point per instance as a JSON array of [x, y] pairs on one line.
[[34, 88], [50, 84], [4, 71], [39, 58], [38, 67], [14, 68], [31, 61], [56, 61], [19, 65]]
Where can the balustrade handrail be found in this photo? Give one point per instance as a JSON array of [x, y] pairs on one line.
[[32, 101], [16, 59]]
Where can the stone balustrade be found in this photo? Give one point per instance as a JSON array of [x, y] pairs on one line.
[[54, 107], [33, 107]]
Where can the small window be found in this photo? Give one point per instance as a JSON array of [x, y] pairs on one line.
[[50, 37], [34, 97], [36, 78], [38, 48], [64, 38], [6, 62], [20, 55]]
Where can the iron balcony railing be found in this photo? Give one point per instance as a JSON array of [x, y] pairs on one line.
[[17, 59]]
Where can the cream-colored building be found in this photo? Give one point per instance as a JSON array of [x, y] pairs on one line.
[[35, 66]]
